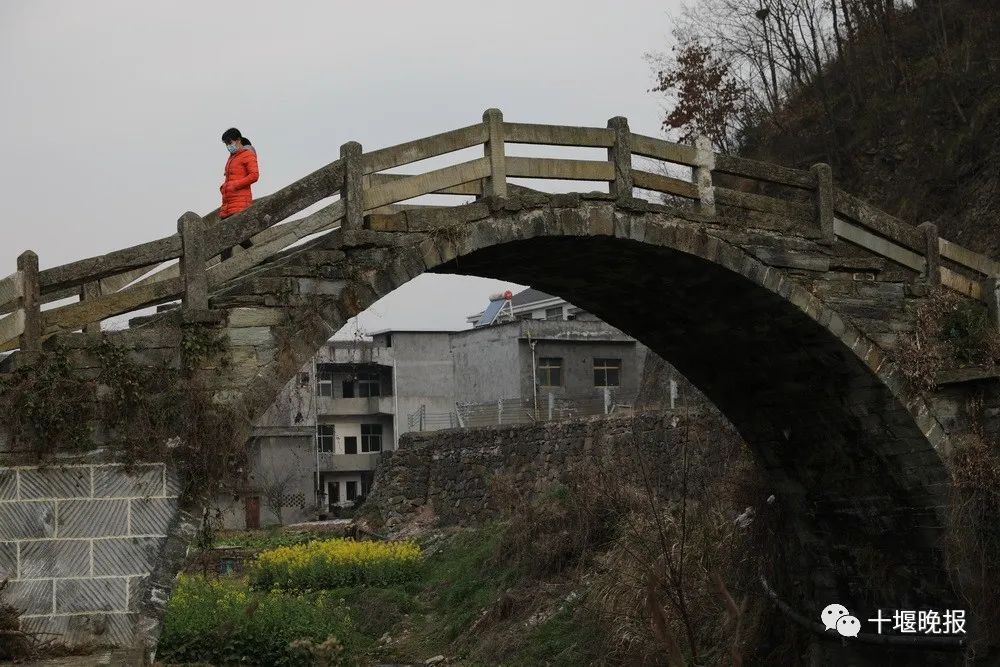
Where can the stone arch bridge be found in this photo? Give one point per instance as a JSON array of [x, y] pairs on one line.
[[780, 296]]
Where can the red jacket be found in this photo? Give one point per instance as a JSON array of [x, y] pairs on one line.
[[241, 171]]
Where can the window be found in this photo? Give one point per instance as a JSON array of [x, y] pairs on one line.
[[371, 438], [607, 372], [324, 379], [348, 388], [350, 444], [388, 340], [550, 372], [554, 313], [368, 385], [325, 434], [352, 490]]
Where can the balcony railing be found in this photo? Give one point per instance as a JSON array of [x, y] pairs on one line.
[[355, 406]]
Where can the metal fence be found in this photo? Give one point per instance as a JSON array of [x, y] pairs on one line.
[[516, 411]]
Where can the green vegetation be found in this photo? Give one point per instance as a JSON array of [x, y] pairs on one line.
[[223, 621], [226, 620], [335, 563]]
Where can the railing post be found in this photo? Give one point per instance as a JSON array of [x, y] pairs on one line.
[[31, 302], [192, 230], [620, 155], [932, 253], [704, 159], [353, 193], [496, 183], [823, 175], [91, 291]]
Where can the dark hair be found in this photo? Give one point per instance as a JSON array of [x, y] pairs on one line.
[[245, 141], [232, 134]]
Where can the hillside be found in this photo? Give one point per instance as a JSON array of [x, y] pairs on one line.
[[909, 120]]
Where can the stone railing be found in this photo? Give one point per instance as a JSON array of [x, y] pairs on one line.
[[147, 274]]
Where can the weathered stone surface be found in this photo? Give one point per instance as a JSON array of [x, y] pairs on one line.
[[80, 595], [8, 484], [55, 482], [26, 519], [92, 518], [129, 482], [126, 555], [152, 516], [32, 597], [43, 559], [8, 560]]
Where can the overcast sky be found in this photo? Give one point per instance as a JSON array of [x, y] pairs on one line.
[[111, 112]]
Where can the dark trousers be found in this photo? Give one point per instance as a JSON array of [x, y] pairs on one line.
[[228, 252]]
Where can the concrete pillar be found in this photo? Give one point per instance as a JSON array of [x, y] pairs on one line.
[[824, 201], [192, 230], [91, 291], [31, 302], [353, 192], [620, 155], [496, 183], [702, 174], [932, 253]]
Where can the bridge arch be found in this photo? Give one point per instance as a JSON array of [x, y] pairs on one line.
[[852, 453]]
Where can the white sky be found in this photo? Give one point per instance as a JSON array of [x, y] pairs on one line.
[[111, 112]]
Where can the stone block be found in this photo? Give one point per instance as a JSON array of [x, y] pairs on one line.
[[56, 482], [43, 559], [173, 483], [255, 317], [152, 516], [324, 287], [27, 519], [8, 560], [83, 595], [30, 597], [93, 518], [126, 555], [114, 481], [250, 336], [8, 484]]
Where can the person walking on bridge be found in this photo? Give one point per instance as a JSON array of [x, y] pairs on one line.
[[241, 172]]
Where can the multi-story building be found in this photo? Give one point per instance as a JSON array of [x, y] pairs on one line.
[[317, 447]]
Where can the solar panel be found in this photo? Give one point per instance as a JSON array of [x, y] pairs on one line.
[[491, 312]]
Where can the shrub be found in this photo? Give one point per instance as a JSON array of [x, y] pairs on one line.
[[326, 564], [223, 621]]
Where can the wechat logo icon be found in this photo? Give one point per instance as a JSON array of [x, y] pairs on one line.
[[836, 617]]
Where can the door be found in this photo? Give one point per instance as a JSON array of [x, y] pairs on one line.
[[251, 506]]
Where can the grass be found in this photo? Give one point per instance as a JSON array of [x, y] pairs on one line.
[[225, 620]]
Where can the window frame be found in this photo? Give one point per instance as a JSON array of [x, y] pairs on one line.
[[324, 380], [364, 383], [321, 436], [544, 371], [367, 438], [553, 312], [602, 366]]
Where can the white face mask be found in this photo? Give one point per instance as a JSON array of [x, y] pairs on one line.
[[231, 148]]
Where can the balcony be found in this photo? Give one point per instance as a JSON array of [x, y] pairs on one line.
[[342, 407], [348, 462]]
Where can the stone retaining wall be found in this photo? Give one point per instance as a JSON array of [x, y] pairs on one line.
[[78, 544], [452, 472]]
